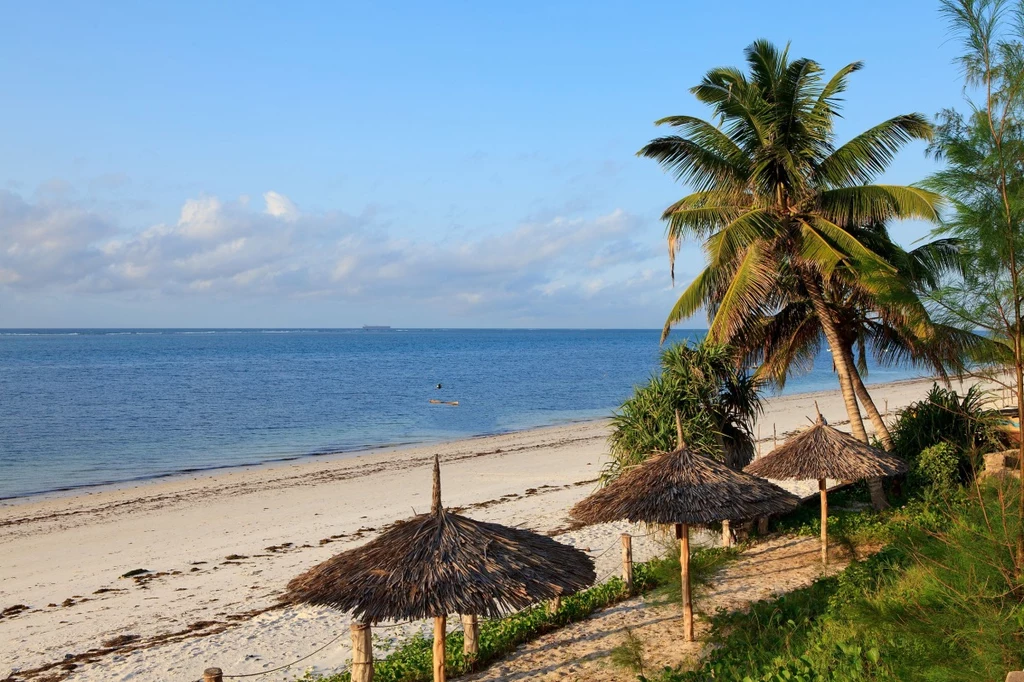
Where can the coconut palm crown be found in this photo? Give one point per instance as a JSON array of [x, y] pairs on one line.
[[773, 193]]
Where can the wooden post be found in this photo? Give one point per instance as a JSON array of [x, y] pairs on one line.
[[627, 561], [726, 534], [683, 533], [471, 638], [824, 521], [775, 437], [554, 605], [762, 525], [362, 653], [213, 675], [440, 625], [684, 560]]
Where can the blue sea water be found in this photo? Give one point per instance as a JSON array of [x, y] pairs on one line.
[[87, 407]]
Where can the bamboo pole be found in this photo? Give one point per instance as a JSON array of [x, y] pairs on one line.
[[213, 675], [362, 653], [824, 521], [554, 605], [471, 638], [440, 625], [627, 561], [683, 533]]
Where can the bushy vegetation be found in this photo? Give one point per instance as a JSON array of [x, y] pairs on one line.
[[962, 422], [942, 602], [937, 467], [412, 661], [849, 522], [717, 404]]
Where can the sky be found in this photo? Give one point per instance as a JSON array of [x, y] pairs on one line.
[[443, 164]]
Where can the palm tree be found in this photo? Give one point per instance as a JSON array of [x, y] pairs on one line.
[[791, 338], [773, 194]]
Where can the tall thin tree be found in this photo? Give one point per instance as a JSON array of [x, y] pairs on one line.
[[984, 178]]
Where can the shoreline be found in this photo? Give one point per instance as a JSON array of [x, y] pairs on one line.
[[87, 489], [310, 457]]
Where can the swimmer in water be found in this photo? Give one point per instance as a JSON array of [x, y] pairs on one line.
[[438, 387]]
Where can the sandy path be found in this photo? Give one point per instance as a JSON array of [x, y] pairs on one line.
[[62, 556], [580, 652]]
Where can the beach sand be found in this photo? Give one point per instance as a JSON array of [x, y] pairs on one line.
[[220, 547]]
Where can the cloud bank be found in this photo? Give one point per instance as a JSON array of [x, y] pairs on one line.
[[237, 249]]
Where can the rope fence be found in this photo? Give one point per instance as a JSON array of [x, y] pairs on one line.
[[283, 667]]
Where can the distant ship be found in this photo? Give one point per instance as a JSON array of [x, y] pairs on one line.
[[376, 328]]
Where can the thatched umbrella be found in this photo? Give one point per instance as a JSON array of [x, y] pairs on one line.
[[439, 563], [683, 488], [822, 452]]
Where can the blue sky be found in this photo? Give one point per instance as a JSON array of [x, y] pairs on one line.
[[414, 164]]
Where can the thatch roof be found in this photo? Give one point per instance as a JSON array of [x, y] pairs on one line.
[[822, 451], [440, 563], [683, 487]]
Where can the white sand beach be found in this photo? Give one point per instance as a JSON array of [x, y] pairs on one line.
[[220, 548]]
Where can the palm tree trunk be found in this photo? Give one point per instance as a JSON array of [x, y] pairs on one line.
[[846, 370], [881, 430], [878, 500], [843, 366], [847, 386]]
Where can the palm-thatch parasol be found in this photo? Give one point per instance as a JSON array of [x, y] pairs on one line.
[[439, 563], [683, 488], [822, 452]]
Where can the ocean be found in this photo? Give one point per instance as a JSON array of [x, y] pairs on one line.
[[88, 407]]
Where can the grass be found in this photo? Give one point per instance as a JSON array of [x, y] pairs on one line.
[[412, 661], [942, 602], [629, 654]]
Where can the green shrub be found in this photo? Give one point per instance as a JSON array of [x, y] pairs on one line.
[[716, 401], [849, 521], [947, 417], [937, 467]]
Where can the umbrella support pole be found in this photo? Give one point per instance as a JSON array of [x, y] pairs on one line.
[[824, 521], [471, 641], [627, 562], [683, 533], [440, 625], [362, 653]]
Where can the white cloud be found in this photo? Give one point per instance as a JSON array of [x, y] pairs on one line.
[[280, 206], [231, 250]]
